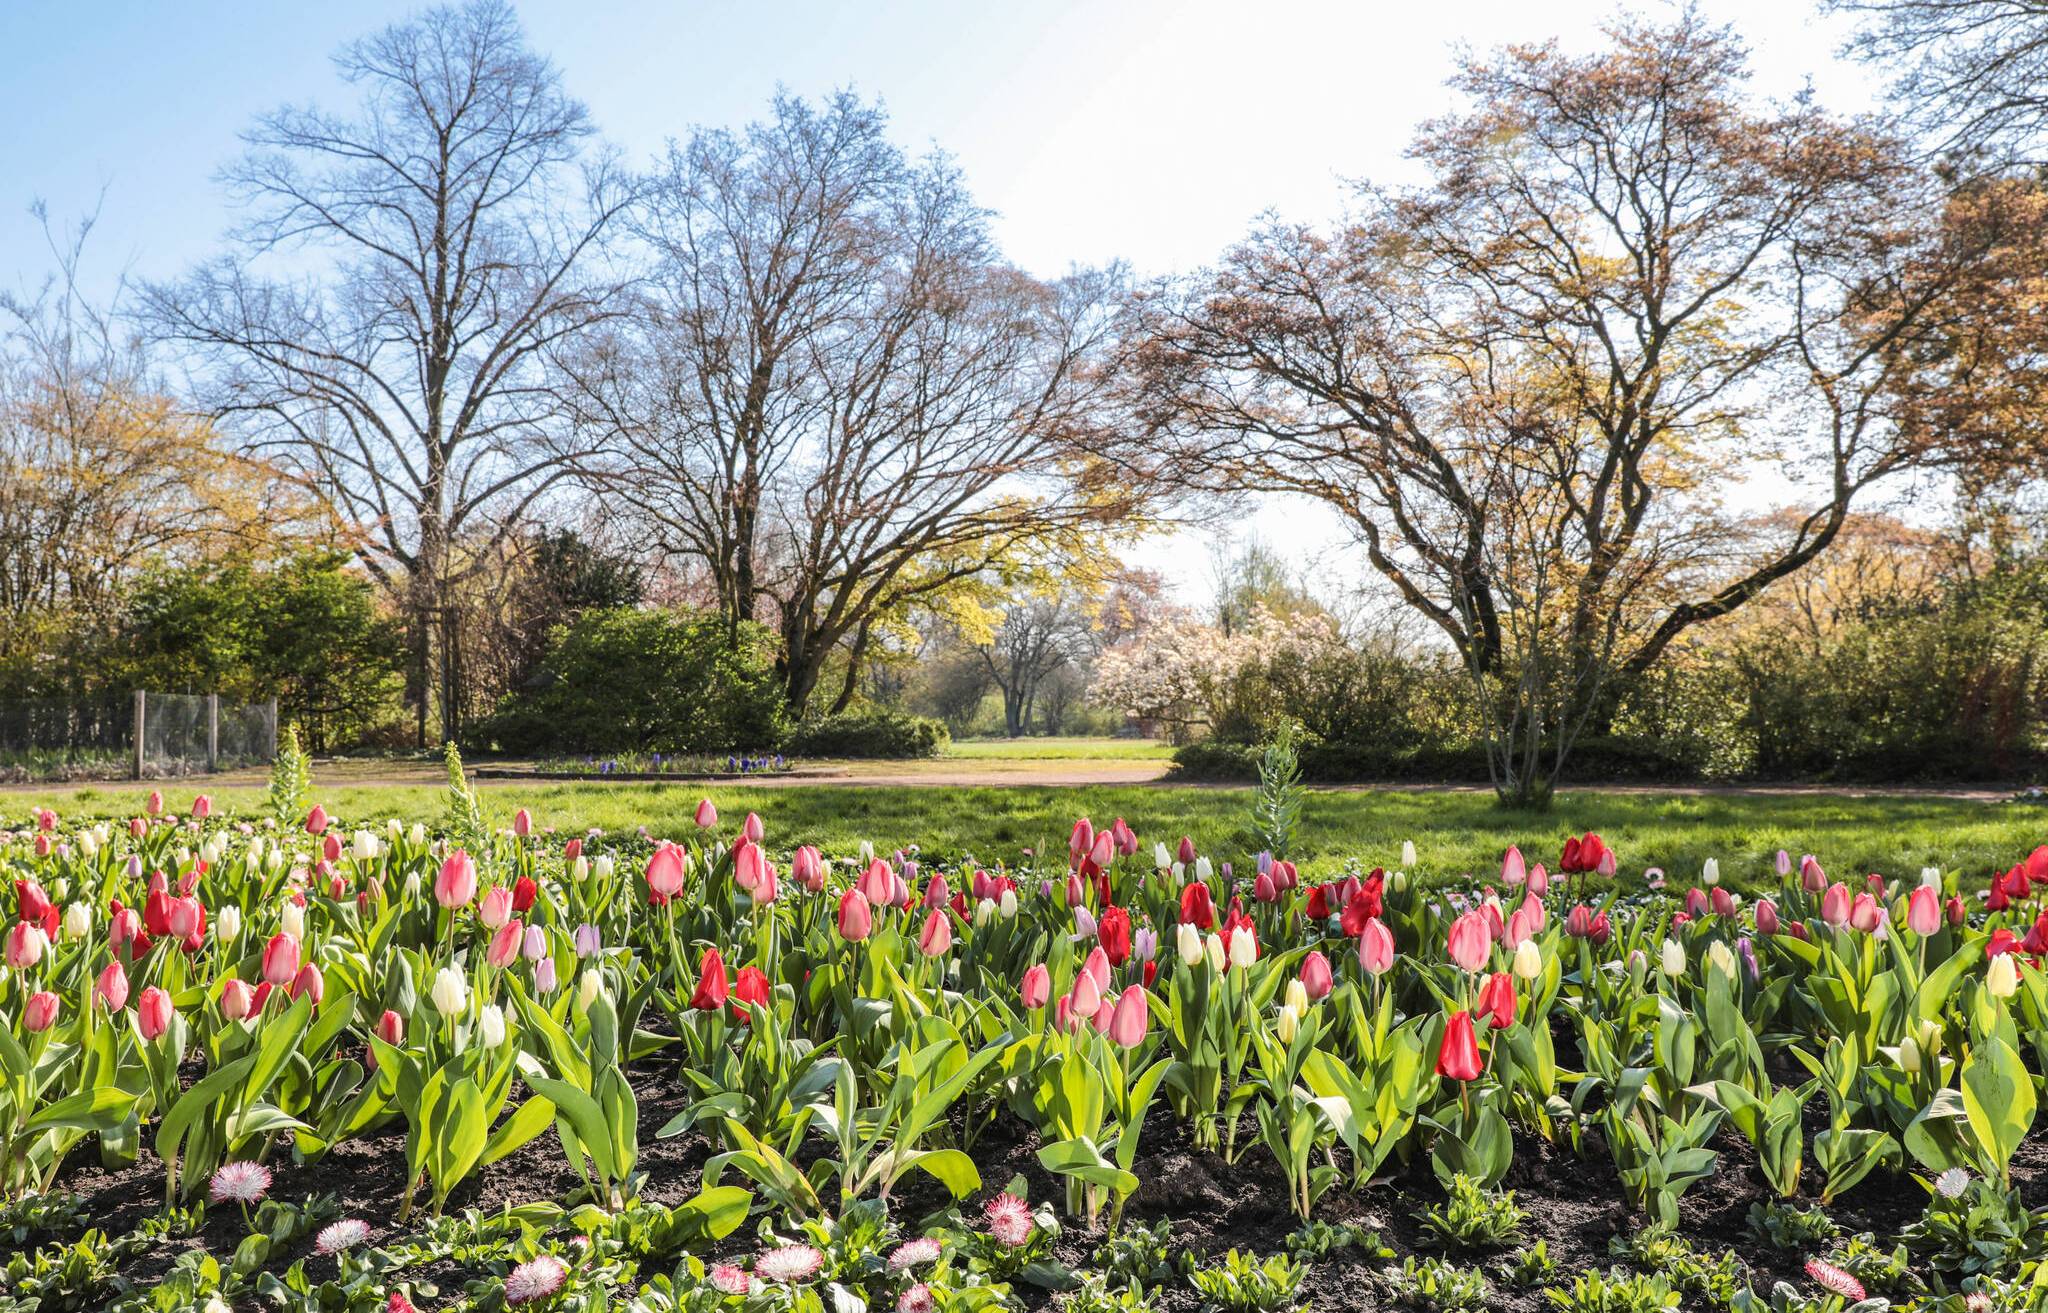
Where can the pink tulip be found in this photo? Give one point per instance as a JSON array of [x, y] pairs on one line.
[[1376, 947], [1102, 851], [1834, 904], [112, 987], [202, 807], [1096, 967], [456, 884], [1923, 911], [40, 1012], [807, 868], [1037, 987], [504, 949], [1606, 865], [281, 959], [1132, 1019], [752, 828], [316, 820], [936, 892], [1086, 995], [665, 869], [1724, 902], [522, 823], [937, 935], [747, 863], [309, 983], [1766, 917], [236, 999], [25, 945], [496, 908], [856, 919], [1081, 840], [155, 805], [1513, 870], [187, 915], [1316, 977], [1811, 877], [391, 1028], [1865, 914], [154, 1013], [1471, 940]]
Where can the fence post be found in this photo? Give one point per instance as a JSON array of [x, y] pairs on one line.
[[212, 732], [141, 714], [273, 729]]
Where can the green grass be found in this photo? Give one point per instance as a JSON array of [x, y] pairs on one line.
[[1059, 749], [1455, 833]]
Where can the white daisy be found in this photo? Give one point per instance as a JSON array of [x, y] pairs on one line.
[[914, 1253], [242, 1183], [789, 1264], [337, 1236], [1952, 1183], [535, 1279]]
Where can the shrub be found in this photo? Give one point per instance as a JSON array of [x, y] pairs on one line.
[[622, 678], [870, 733]]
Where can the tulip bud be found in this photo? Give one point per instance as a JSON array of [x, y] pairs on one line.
[[1316, 977], [937, 936], [309, 983], [2003, 977], [1407, 852], [154, 1013], [227, 924], [1909, 1056], [1244, 949], [504, 945], [1720, 959], [25, 945], [40, 1012], [589, 987], [585, 940], [1188, 943], [293, 919], [77, 921], [112, 987], [1528, 961], [281, 959], [1672, 959], [1212, 949], [1710, 872], [1007, 904], [491, 1025], [544, 976], [237, 1000], [1287, 1024], [496, 908]]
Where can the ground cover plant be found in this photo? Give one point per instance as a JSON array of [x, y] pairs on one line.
[[283, 1057]]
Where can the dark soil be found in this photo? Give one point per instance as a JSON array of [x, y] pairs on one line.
[[1574, 1201]]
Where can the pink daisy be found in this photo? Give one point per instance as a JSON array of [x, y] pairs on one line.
[[1834, 1279], [242, 1183], [1009, 1219], [537, 1278], [789, 1264], [917, 1299], [730, 1279], [915, 1253], [337, 1236]]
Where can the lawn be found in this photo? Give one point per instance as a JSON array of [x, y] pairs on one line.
[[1456, 832], [1060, 749]]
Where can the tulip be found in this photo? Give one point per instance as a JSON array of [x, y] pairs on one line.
[[456, 884], [496, 908], [112, 986], [490, 1025], [1086, 996], [1672, 958], [1865, 914], [2003, 977], [752, 828], [1376, 947], [1196, 906], [544, 980], [202, 807], [1214, 953], [807, 868], [1497, 1000], [1471, 941], [707, 815], [585, 940], [1081, 840], [1408, 852], [155, 805], [710, 994], [316, 820], [1037, 986], [1457, 1058], [1766, 917], [504, 947], [589, 988], [188, 915], [1528, 961], [1811, 877], [25, 945], [391, 1028], [534, 946], [1243, 946], [522, 823], [1316, 977], [937, 936], [1287, 1024], [1188, 943], [856, 920], [78, 920], [236, 999], [1132, 1018], [154, 1013], [450, 992], [227, 924], [1923, 911], [281, 959], [40, 1012], [309, 983], [1513, 869], [1909, 1056], [752, 990], [1834, 904], [1710, 872]]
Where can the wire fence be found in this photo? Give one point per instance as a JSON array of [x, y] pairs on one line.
[[142, 735]]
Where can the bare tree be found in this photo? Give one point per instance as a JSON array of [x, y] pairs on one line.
[[1527, 384], [456, 242], [1039, 637], [839, 401], [1972, 73]]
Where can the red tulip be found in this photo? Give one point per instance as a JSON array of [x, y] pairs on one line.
[[1766, 917], [1186, 852], [1458, 1056], [1811, 877], [1037, 986], [712, 987], [1264, 890], [40, 1012], [524, 891], [1955, 911], [154, 1013], [855, 918], [36, 906], [1196, 907], [572, 850], [750, 988], [1315, 976], [1081, 840], [281, 959], [937, 893], [1724, 902], [1113, 932], [1497, 1000]]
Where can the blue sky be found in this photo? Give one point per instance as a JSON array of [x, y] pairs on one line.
[[1135, 129]]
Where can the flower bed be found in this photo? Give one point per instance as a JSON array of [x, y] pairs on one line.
[[287, 1062]]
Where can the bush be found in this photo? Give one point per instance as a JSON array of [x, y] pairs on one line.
[[623, 679], [872, 733]]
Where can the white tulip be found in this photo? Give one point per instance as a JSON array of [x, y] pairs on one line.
[[1188, 942], [1673, 958], [294, 920], [2003, 979], [492, 1025], [1161, 859], [1244, 950], [1287, 1024], [366, 846], [227, 924], [984, 912], [1212, 948], [418, 835], [1204, 870], [77, 921], [1408, 852], [1007, 905], [589, 986], [1710, 872], [604, 866], [1296, 996], [1721, 959], [450, 992], [1528, 963]]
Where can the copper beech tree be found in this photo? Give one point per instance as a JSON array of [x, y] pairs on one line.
[[1528, 383]]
